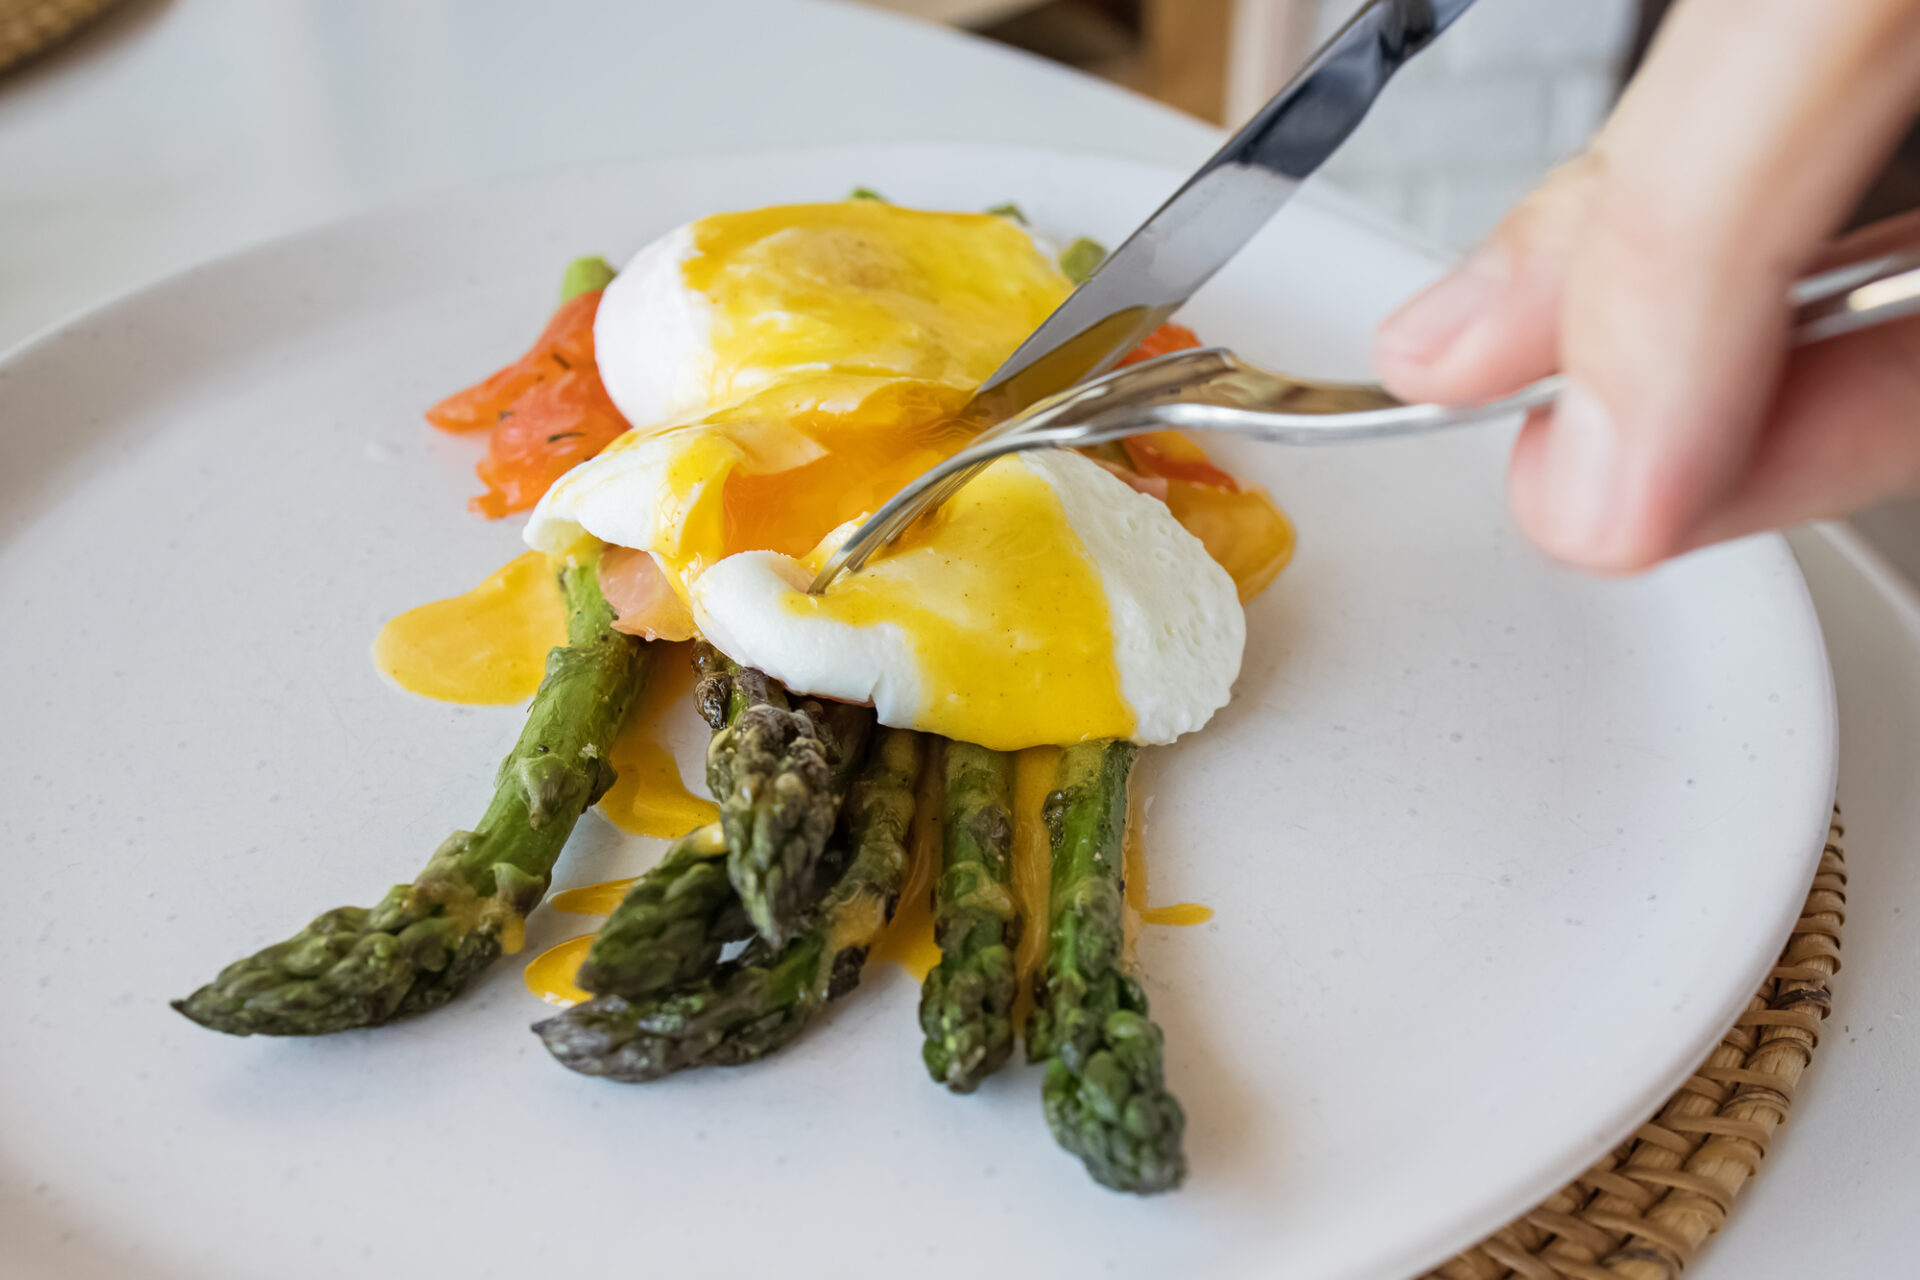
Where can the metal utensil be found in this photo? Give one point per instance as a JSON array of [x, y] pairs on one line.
[[1217, 210], [1212, 389], [1203, 224]]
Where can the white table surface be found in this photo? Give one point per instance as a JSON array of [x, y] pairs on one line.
[[186, 128]]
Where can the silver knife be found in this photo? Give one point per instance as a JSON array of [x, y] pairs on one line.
[[1202, 225], [1219, 208]]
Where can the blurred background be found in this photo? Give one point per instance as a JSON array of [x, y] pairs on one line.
[[1516, 87]]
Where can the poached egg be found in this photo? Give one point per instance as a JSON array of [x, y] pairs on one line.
[[785, 371]]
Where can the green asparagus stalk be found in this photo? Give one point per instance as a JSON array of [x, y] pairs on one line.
[[966, 1004], [1079, 260], [1104, 1093], [780, 773], [713, 686], [584, 275], [425, 941], [759, 1002], [672, 925]]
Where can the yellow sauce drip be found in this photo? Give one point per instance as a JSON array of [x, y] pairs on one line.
[[1035, 771], [1005, 613], [908, 940], [1133, 867], [781, 469], [1182, 914], [549, 975], [592, 899], [648, 797], [488, 646]]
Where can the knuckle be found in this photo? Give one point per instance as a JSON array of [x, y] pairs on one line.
[[1548, 222]]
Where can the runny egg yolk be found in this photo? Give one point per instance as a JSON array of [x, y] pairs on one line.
[[780, 471], [1005, 614], [487, 646], [845, 339]]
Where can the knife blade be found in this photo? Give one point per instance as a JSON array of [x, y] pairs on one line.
[[1217, 210]]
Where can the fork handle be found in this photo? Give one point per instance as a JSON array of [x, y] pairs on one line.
[[1845, 299], [1856, 296]]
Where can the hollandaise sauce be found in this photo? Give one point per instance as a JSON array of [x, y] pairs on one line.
[[549, 975], [908, 939], [1034, 773], [867, 287], [488, 646], [842, 340], [1133, 871], [1005, 612]]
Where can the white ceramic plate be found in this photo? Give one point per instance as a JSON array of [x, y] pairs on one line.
[[1497, 851]]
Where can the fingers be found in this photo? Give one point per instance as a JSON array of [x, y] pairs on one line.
[[1676, 316], [1654, 271], [1842, 435], [1493, 325]]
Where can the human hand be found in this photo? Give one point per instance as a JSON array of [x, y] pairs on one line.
[[1653, 271]]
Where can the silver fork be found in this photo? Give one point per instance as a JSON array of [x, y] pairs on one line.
[[1211, 389]]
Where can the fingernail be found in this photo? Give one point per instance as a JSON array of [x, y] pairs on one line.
[[1582, 473], [1428, 326]]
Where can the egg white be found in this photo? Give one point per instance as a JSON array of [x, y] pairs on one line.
[[1175, 617], [652, 335], [1178, 629]]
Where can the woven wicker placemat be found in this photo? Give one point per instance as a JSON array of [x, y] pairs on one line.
[[29, 26], [1644, 1211]]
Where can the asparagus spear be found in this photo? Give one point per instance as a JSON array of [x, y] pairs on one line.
[[584, 275], [1079, 260], [425, 941], [779, 772], [672, 925], [966, 1005], [759, 1002], [1104, 1095]]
